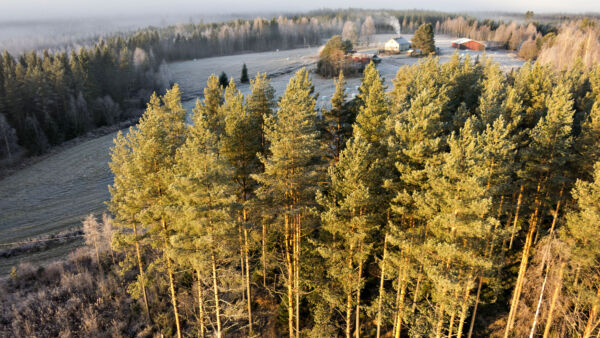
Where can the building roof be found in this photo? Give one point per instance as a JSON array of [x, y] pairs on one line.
[[400, 40], [465, 40], [461, 41]]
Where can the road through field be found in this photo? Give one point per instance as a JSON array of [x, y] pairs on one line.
[[57, 192]]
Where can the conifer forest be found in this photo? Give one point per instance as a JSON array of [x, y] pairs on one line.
[[457, 199]]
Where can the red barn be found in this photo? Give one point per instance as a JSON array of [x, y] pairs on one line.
[[465, 43]]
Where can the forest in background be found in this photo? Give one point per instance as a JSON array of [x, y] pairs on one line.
[[50, 96], [461, 202]]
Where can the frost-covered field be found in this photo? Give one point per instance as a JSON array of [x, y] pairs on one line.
[[57, 192], [281, 66]]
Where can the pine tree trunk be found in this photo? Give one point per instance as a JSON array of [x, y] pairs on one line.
[[539, 304], [555, 295], [358, 287], [519, 200], [264, 253], [475, 307], [590, 326], [555, 216], [349, 300], [290, 272], [415, 296], [464, 309], [200, 304], [522, 269], [397, 304], [246, 249], [440, 321], [400, 308], [242, 265], [142, 277], [297, 274], [171, 279], [381, 286], [453, 315], [451, 323], [216, 294]]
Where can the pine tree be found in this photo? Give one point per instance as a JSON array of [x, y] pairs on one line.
[[544, 172], [142, 163], [290, 178], [370, 121], [350, 224], [582, 235], [460, 226], [493, 93], [240, 144], [213, 98], [260, 104], [417, 140], [203, 223]]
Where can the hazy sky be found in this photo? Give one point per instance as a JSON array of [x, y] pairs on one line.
[[52, 9]]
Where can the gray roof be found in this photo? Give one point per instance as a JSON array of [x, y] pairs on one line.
[[400, 40]]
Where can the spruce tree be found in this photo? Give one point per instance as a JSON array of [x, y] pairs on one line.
[[223, 80], [244, 77], [337, 121], [423, 39]]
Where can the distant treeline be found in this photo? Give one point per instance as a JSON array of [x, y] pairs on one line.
[[49, 97]]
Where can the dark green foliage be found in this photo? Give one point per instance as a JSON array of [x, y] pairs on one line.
[[423, 39], [223, 80], [244, 77], [333, 57]]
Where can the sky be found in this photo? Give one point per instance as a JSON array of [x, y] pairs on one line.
[[11, 10]]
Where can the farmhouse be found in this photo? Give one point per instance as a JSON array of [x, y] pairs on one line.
[[396, 45], [466, 43]]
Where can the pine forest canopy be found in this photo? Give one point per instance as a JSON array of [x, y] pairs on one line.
[[407, 215]]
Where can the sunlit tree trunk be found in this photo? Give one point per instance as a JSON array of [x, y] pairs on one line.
[[381, 286], [200, 304], [519, 200], [171, 279], [358, 287], [216, 294], [555, 295], [141, 268]]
